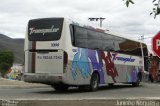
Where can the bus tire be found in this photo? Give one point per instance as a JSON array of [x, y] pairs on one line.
[[139, 79], [83, 87], [94, 83], [135, 84], [151, 78], [60, 87], [110, 84]]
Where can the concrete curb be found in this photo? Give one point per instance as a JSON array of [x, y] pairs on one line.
[[21, 87], [10, 84], [85, 102]]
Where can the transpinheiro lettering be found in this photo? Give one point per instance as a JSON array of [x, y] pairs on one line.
[[43, 31], [124, 59]]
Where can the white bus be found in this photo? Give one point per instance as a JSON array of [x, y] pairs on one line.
[[61, 53]]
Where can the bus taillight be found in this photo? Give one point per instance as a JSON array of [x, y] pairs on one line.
[[65, 61]]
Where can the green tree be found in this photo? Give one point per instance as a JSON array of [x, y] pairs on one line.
[[155, 11], [6, 61]]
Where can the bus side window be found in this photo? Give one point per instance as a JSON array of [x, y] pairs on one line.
[[72, 34]]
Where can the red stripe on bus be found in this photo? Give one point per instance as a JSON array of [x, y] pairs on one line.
[[33, 45], [33, 56], [33, 62]]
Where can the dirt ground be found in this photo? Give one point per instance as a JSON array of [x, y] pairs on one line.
[[6, 83]]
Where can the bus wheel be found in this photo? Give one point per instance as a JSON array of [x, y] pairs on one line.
[[151, 78], [139, 78], [111, 84], [82, 87], [135, 84], [60, 87], [94, 84]]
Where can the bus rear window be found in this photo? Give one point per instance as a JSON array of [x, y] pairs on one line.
[[47, 29]]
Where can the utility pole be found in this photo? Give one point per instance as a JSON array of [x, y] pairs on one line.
[[97, 19], [141, 37]]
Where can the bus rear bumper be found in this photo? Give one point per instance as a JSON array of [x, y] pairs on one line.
[[43, 78]]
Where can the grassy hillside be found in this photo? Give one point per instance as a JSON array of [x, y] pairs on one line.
[[15, 45]]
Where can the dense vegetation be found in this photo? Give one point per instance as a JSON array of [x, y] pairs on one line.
[[6, 61]]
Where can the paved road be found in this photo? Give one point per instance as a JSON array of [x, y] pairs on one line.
[[120, 95], [146, 90]]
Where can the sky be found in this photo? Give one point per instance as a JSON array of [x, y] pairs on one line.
[[131, 22]]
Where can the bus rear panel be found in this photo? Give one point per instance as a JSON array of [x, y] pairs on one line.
[[44, 51]]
